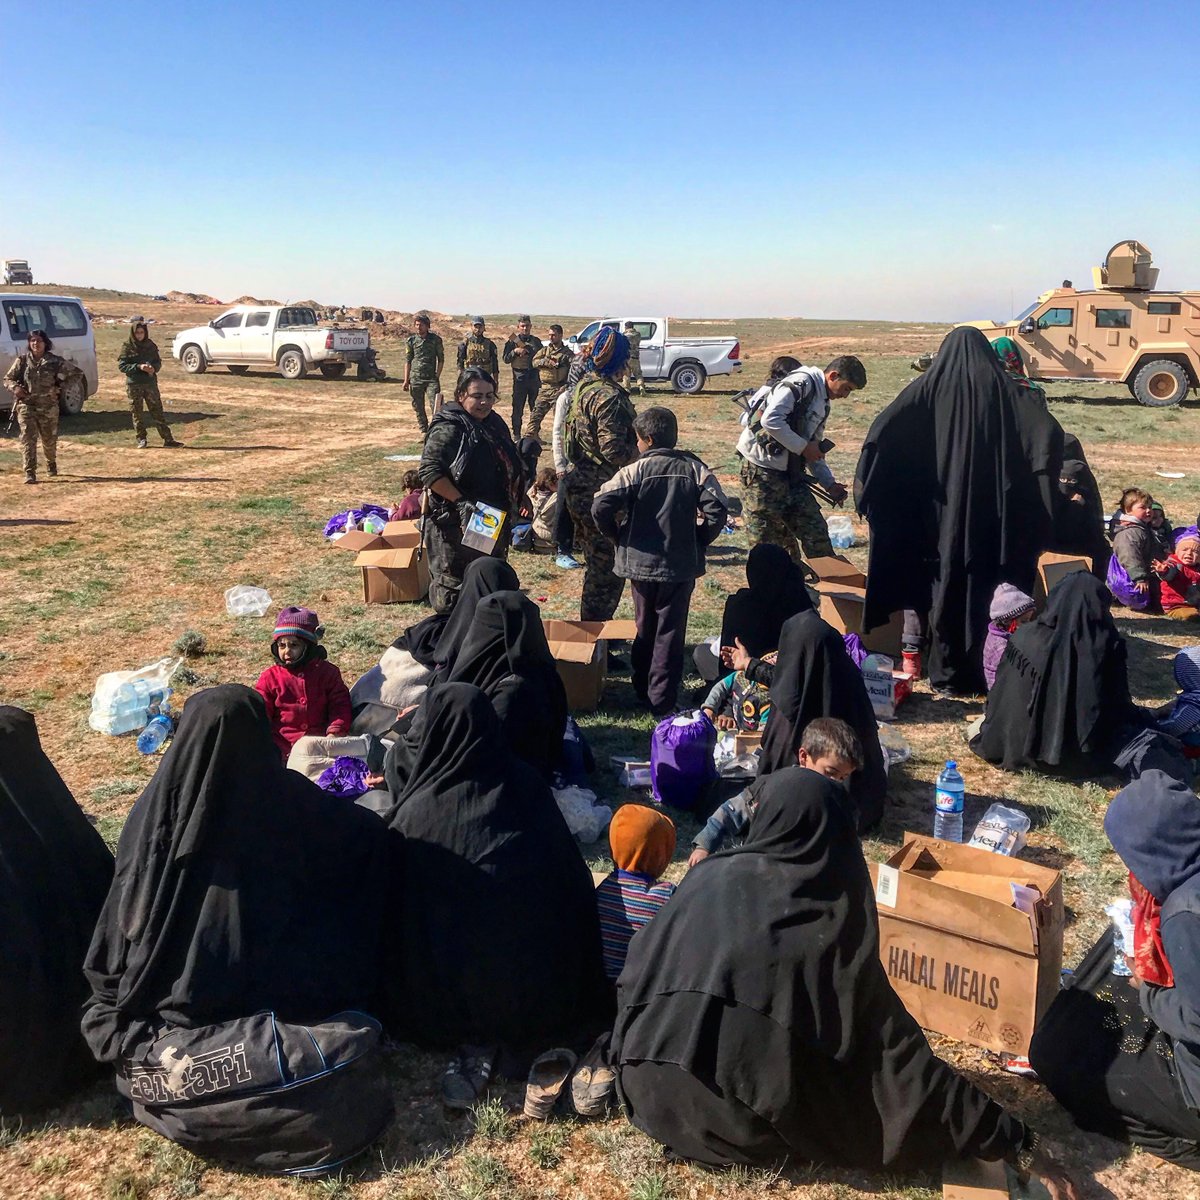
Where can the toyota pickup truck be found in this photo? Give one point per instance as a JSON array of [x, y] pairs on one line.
[[686, 361], [287, 337]]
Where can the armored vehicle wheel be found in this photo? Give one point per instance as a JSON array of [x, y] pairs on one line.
[[1160, 384]]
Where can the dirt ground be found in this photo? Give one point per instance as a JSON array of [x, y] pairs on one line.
[[106, 567]]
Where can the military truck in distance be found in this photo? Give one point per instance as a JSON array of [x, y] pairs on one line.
[[1120, 331], [16, 270]]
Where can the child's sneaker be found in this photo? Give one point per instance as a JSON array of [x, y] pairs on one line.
[[567, 562], [467, 1076]]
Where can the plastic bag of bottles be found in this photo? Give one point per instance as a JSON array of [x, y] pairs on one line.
[[243, 600], [841, 532], [124, 701], [1002, 830], [373, 523]]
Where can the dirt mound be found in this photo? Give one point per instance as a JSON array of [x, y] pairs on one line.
[[303, 304], [256, 300], [191, 298]]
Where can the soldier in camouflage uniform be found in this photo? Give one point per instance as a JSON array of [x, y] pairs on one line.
[[140, 363], [519, 352], [423, 370], [599, 440], [479, 351], [633, 372], [35, 380], [553, 363]]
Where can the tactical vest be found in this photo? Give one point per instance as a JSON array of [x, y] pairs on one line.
[[479, 353]]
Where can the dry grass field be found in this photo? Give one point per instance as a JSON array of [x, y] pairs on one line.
[[107, 566]]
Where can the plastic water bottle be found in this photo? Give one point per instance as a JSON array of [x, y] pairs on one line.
[[948, 804], [151, 738]]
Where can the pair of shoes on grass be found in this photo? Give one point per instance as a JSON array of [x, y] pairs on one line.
[[593, 1084], [467, 1076]]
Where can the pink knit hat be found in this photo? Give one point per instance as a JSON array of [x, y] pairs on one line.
[[298, 622]]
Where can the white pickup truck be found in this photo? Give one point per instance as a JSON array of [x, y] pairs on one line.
[[287, 337], [686, 361]]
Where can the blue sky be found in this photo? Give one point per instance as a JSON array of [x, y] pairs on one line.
[[918, 161]]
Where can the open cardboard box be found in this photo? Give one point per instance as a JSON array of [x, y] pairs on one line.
[[1053, 567], [964, 960], [396, 570], [580, 652], [747, 743], [843, 591]]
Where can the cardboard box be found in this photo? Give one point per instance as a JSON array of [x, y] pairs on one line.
[[843, 591], [359, 540], [1053, 567], [975, 1179], [580, 652], [964, 960], [396, 571], [747, 743]]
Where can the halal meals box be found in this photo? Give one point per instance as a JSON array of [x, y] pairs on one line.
[[580, 650], [843, 591], [394, 570], [970, 940]]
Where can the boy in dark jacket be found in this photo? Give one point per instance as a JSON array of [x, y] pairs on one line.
[[662, 511], [305, 693]]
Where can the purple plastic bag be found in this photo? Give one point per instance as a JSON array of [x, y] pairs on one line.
[[855, 648], [337, 523], [1122, 588], [347, 778], [681, 759]]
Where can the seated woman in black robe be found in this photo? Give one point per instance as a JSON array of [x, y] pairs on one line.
[[241, 888], [754, 615], [814, 676], [505, 654], [776, 1035], [1121, 1053], [1079, 512], [499, 938], [1061, 701], [55, 871]]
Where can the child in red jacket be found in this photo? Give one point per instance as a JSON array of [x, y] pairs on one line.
[[305, 693]]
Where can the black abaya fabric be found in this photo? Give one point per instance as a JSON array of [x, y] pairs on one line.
[[55, 871], [482, 578], [958, 478], [240, 887], [755, 614], [499, 939], [815, 677], [1079, 524], [1061, 699], [785, 1017]]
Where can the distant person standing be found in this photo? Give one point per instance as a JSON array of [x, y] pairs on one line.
[[519, 351], [140, 363], [35, 380], [552, 363], [633, 372], [599, 439], [477, 350], [782, 455], [423, 363]]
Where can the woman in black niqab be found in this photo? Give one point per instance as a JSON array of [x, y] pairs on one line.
[[778, 1035], [240, 887], [755, 614], [1061, 700], [499, 939], [55, 871], [1079, 518], [958, 478], [815, 677]]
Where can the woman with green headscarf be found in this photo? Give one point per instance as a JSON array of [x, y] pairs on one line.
[[140, 363], [1010, 360]]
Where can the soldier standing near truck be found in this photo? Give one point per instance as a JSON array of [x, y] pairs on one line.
[[479, 351], [423, 363], [599, 440], [553, 363], [519, 351], [35, 380], [140, 363], [633, 372]]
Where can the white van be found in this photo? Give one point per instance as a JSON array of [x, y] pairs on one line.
[[65, 321]]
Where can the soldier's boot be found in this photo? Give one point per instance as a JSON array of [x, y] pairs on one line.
[[30, 477], [52, 466]]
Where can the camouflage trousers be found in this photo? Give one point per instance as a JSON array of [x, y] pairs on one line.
[[784, 513], [418, 390], [448, 558], [147, 398], [602, 587], [37, 416], [633, 374], [545, 402]]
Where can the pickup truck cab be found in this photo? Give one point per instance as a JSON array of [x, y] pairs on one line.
[[686, 361], [65, 321], [287, 337]]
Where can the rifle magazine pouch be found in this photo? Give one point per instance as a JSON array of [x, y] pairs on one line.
[[258, 1092]]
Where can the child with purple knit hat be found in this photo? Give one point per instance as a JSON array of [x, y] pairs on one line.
[[1010, 607]]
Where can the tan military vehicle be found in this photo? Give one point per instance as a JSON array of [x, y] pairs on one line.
[[1121, 331]]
